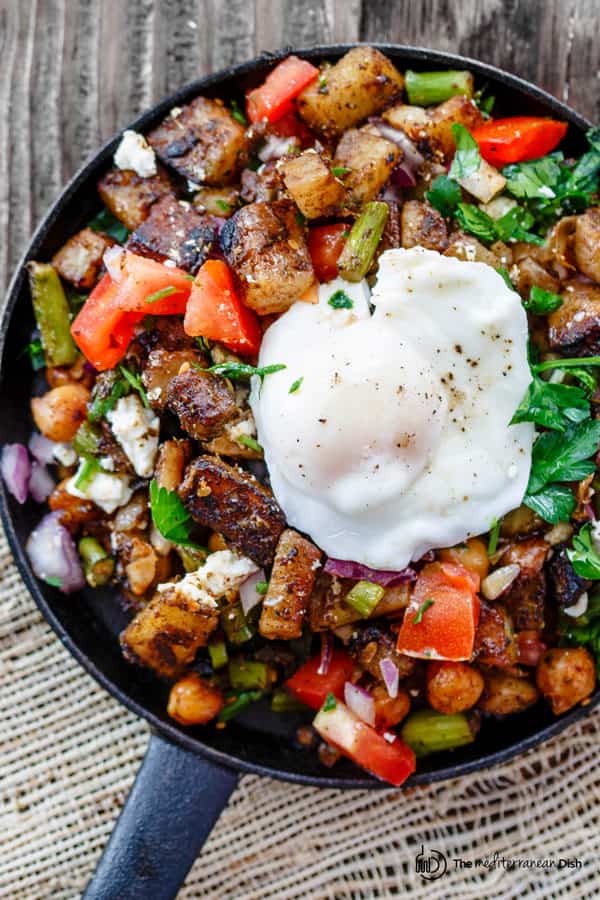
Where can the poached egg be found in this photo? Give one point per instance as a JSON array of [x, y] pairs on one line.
[[388, 433]]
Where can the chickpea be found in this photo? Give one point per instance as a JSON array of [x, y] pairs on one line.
[[566, 676], [193, 701], [60, 412], [472, 555], [453, 687], [389, 711], [505, 694]]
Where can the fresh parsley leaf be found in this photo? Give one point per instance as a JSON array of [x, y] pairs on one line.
[[493, 538], [158, 295], [170, 516], [586, 378], [564, 456], [554, 503], [583, 556], [537, 178], [515, 225], [444, 195], [243, 371], [297, 384], [35, 352], [247, 441], [422, 610], [223, 205], [330, 703], [110, 225], [467, 158], [262, 587], [102, 403], [136, 383], [237, 113], [552, 405], [340, 300], [476, 221], [542, 302], [339, 171]]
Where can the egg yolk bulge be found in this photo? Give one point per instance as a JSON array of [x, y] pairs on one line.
[[397, 439]]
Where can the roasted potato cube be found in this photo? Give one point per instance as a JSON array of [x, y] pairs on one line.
[[506, 694], [136, 561], [158, 370], [74, 512], [174, 230], [566, 676], [495, 643], [525, 599], [370, 159], [172, 459], [312, 186], [203, 402], [266, 247], [423, 226], [130, 197], [265, 184], [574, 328], [532, 273], [79, 260], [202, 142], [167, 633], [235, 504], [587, 243], [468, 248], [359, 85], [215, 201], [435, 125], [292, 580]]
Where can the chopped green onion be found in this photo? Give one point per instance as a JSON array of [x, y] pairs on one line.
[[158, 295], [429, 88], [89, 468], [35, 352], [237, 113], [261, 587], [330, 703], [340, 300], [98, 565], [296, 385], [283, 702], [356, 257], [136, 383], [243, 370], [422, 610], [494, 535], [245, 674], [249, 442], [339, 171], [223, 205], [428, 731], [364, 597], [235, 625], [237, 704], [217, 652]]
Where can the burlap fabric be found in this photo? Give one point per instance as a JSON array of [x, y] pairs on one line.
[[69, 754]]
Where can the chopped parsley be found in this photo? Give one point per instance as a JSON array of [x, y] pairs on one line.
[[542, 302], [102, 402], [35, 352], [422, 610], [553, 406], [340, 300], [247, 441], [467, 158], [330, 703], [243, 371], [53, 581], [89, 468], [493, 539], [170, 516], [262, 587], [504, 274], [484, 104], [339, 171], [237, 113], [323, 89], [300, 219], [223, 205], [136, 383], [297, 384], [158, 295], [110, 225], [444, 195], [584, 556]]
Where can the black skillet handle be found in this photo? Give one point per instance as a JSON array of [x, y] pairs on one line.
[[176, 799]]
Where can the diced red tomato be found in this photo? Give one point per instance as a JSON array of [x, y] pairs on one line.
[[274, 98], [216, 312], [311, 688], [101, 330], [390, 761], [325, 243], [144, 278], [443, 613], [516, 139], [291, 125]]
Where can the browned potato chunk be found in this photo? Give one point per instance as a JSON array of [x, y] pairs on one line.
[[574, 328], [221, 202], [472, 555], [587, 243], [312, 185], [525, 599], [359, 85], [130, 197], [193, 701], [174, 230], [371, 644], [136, 562], [232, 502], [435, 125], [223, 445], [423, 226], [266, 247], [203, 402], [79, 260], [370, 159], [469, 249], [532, 273], [566, 676], [167, 633], [60, 412], [74, 512], [202, 142], [160, 367], [453, 687], [171, 462], [506, 694], [292, 580], [495, 643]]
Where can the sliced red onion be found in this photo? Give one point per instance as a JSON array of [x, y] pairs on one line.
[[41, 448], [326, 652], [391, 193], [346, 568], [53, 555], [16, 470], [249, 596], [360, 702], [403, 176], [113, 259], [41, 483], [412, 157], [275, 147], [390, 675]]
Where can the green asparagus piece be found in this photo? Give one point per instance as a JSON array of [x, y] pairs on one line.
[[238, 702], [217, 652], [235, 625], [98, 565], [359, 249], [87, 440], [51, 310], [246, 674], [428, 731], [364, 597], [282, 702], [427, 88]]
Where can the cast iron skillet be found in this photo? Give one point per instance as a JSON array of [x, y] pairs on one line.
[[188, 774]]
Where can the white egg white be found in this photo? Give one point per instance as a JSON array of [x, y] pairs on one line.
[[398, 439]]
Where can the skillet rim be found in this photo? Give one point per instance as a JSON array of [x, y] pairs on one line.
[[86, 172]]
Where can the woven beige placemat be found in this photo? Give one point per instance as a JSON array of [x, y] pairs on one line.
[[69, 752]]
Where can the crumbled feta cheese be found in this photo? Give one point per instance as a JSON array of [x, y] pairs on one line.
[[106, 490], [107, 463], [155, 393], [64, 453], [243, 428], [136, 429], [135, 153], [222, 572]]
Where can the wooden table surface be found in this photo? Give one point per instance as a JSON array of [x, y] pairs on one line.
[[75, 71]]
